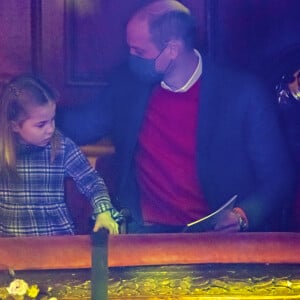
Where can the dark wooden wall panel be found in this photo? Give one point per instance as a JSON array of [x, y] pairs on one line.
[[88, 42], [15, 38], [82, 41], [252, 33]]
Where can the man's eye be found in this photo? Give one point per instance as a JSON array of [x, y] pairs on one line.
[[40, 125], [140, 53]]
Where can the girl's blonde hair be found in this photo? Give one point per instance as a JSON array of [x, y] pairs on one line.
[[17, 96]]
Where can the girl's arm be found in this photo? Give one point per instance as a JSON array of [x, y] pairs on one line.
[[90, 184]]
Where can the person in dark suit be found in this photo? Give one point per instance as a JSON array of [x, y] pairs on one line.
[[189, 135], [287, 94]]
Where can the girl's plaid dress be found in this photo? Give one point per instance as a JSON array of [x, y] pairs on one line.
[[35, 205]]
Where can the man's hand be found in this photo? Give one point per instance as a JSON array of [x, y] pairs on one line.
[[104, 220], [228, 221]]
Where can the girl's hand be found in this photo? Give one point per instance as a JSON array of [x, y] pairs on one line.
[[104, 220]]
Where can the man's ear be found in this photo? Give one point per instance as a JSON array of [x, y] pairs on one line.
[[175, 47], [14, 126]]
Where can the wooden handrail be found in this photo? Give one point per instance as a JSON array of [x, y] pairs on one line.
[[94, 151], [101, 147], [73, 252]]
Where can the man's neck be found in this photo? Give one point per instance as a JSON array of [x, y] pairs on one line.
[[182, 72]]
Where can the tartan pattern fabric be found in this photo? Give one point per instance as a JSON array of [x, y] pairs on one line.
[[35, 205]]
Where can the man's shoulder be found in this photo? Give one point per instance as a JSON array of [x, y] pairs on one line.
[[227, 71], [227, 77]]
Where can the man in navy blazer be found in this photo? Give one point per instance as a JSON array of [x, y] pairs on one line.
[[189, 135]]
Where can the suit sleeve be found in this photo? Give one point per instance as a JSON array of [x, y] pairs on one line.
[[269, 156]]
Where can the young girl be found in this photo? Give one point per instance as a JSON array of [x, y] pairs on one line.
[[35, 158]]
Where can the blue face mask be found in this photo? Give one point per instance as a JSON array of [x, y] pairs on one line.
[[145, 68]]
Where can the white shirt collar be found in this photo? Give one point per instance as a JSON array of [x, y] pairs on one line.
[[195, 76]]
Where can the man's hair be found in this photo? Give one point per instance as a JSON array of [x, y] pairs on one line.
[[174, 24], [167, 20]]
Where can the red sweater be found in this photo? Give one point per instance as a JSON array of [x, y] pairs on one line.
[[166, 159]]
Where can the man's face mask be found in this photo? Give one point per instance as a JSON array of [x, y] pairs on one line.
[[145, 68]]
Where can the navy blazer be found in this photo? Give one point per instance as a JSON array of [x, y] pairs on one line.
[[240, 148]]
